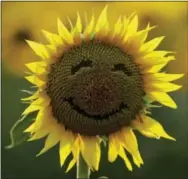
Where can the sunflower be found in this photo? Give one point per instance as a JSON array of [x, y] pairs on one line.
[[98, 82]]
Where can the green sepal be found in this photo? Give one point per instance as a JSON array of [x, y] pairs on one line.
[[17, 135], [92, 36], [104, 139]]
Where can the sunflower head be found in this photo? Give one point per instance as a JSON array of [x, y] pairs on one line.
[[98, 81]]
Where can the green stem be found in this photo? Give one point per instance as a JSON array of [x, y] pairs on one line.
[[83, 171]]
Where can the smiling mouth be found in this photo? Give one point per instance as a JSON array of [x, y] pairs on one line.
[[97, 117]]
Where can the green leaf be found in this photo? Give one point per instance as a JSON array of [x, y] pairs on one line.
[[17, 135]]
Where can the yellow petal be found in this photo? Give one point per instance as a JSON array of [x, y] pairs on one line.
[[45, 119], [43, 99], [51, 48], [129, 141], [52, 38], [126, 21], [149, 62], [163, 98], [158, 54], [132, 27], [31, 108], [165, 86], [118, 27], [78, 27], [32, 97], [150, 127], [140, 37], [37, 67], [157, 68], [86, 18], [64, 33], [39, 134], [71, 25], [35, 80], [65, 146], [167, 77], [52, 139], [152, 44], [39, 103], [113, 148], [89, 29], [39, 49], [149, 134], [90, 145], [76, 153], [123, 155], [31, 128], [71, 164], [102, 22]]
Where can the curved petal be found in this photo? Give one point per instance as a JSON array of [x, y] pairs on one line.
[[150, 128], [32, 97], [64, 33], [39, 134], [66, 144], [118, 27], [163, 98], [35, 80], [129, 141], [52, 139], [39, 49], [123, 155], [165, 86], [132, 27], [90, 145], [167, 77], [78, 26], [89, 29], [151, 45], [113, 148], [53, 39], [139, 37], [102, 23], [76, 153], [37, 67]]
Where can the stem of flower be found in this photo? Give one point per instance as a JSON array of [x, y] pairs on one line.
[[83, 171]]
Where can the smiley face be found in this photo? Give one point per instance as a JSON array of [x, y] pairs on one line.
[[95, 88]]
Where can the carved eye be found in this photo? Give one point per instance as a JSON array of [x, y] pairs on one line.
[[121, 67], [82, 64]]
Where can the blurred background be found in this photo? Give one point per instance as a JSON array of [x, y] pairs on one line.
[[24, 20]]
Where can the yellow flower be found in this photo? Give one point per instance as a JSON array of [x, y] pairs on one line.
[[98, 81]]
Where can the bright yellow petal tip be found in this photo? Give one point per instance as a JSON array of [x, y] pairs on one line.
[[163, 98], [150, 128], [64, 33], [152, 44], [102, 20], [39, 49]]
